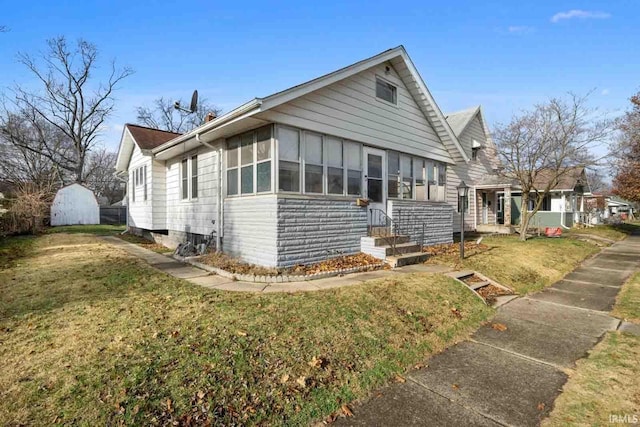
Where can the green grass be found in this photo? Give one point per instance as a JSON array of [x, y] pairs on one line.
[[628, 302], [98, 230], [91, 336], [613, 232], [524, 266], [605, 383]]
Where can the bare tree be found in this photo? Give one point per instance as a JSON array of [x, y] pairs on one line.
[[162, 115], [24, 140], [69, 100], [597, 182], [100, 175], [540, 146], [626, 152]]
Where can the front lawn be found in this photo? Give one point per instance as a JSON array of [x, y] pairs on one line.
[[524, 266], [91, 336], [98, 230], [628, 301], [612, 232]]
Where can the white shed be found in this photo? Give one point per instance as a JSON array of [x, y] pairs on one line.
[[75, 204]]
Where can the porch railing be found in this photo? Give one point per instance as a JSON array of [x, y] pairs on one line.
[[406, 222]]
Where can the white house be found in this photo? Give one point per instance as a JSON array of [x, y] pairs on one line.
[[306, 173], [73, 205]]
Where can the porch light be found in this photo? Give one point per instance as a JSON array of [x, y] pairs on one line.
[[463, 191]]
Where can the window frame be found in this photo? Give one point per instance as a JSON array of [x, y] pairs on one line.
[[394, 91], [254, 163]]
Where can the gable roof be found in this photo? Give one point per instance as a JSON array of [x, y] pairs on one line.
[[148, 138], [459, 120], [400, 60], [144, 137], [570, 179]]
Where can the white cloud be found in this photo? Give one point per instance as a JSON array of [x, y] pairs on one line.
[[519, 29], [605, 92], [580, 14]]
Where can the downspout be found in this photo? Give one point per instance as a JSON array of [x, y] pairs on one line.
[[219, 204], [475, 208]]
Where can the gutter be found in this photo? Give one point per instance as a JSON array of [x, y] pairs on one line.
[[243, 109]]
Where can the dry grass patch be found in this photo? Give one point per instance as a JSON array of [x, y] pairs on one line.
[[613, 232], [628, 301], [604, 384], [523, 266], [90, 335], [145, 243]]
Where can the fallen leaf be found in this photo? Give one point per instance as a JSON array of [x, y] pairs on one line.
[[456, 313], [242, 333], [455, 386], [400, 379], [346, 411], [302, 381], [541, 406], [169, 405], [315, 362], [284, 378], [499, 327], [200, 394]]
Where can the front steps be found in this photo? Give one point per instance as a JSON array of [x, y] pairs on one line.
[[394, 250]]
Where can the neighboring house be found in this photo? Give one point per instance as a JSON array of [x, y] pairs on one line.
[[479, 173], [75, 204], [287, 178], [565, 204], [617, 206]]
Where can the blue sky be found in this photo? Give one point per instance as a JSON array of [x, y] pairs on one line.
[[505, 55]]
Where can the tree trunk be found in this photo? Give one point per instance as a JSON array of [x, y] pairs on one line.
[[524, 217]]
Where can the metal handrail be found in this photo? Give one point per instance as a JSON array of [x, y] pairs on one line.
[[407, 222], [379, 219], [404, 224]]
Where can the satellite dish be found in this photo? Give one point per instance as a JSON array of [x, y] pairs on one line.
[[194, 101], [192, 107]]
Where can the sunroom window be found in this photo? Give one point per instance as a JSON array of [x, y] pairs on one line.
[[353, 161], [407, 177], [393, 180], [289, 164], [313, 169], [335, 170], [249, 162]]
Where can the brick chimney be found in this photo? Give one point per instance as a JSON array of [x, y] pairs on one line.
[[210, 116]]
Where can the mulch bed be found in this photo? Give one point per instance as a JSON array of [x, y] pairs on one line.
[[470, 280], [234, 265]]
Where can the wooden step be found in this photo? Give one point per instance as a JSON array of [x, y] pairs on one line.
[[407, 259], [402, 248], [388, 240]]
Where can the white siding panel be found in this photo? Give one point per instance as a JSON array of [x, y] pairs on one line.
[[193, 215], [140, 211], [350, 109], [250, 229]]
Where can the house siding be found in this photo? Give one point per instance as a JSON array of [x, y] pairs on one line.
[[140, 211], [314, 229], [410, 215], [471, 173], [158, 193], [349, 109], [250, 229], [193, 215]]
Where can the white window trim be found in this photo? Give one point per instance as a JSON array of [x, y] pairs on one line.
[[188, 157], [254, 163], [375, 92]]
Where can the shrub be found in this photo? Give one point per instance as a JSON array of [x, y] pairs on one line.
[[26, 212]]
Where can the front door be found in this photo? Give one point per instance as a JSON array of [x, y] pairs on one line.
[[375, 168], [485, 208]]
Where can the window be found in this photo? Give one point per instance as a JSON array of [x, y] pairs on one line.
[[419, 174], [393, 179], [353, 161], [313, 169], [184, 180], [335, 170], [442, 181], [386, 91], [289, 164], [406, 166], [194, 177], [474, 154], [249, 162]]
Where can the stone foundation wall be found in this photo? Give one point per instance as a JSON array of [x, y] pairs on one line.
[[411, 214]]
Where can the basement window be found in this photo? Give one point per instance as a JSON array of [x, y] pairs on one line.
[[386, 91]]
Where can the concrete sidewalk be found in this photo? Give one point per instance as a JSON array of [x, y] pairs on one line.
[[206, 279], [511, 377]]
